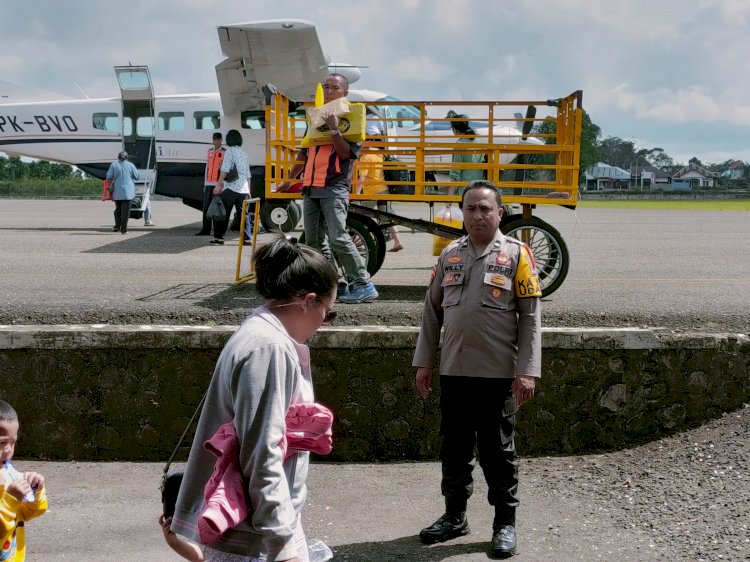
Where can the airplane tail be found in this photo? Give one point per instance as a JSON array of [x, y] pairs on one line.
[[11, 92]]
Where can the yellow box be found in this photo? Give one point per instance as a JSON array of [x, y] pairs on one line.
[[352, 126]]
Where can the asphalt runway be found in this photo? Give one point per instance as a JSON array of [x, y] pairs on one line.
[[61, 263]]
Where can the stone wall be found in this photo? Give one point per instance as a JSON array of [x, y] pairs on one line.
[[127, 392]]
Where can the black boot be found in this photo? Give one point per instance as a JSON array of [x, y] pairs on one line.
[[504, 532], [446, 528]]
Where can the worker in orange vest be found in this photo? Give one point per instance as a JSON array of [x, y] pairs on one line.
[[213, 168]]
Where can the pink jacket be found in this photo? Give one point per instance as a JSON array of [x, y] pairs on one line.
[[308, 428]]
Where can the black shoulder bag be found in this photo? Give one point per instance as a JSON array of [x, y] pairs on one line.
[[170, 481]]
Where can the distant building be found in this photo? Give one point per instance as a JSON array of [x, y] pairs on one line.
[[735, 171], [646, 176], [698, 176], [604, 176]]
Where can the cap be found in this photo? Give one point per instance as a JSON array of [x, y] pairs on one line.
[[123, 155]]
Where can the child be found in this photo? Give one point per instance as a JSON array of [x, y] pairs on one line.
[[22, 495]]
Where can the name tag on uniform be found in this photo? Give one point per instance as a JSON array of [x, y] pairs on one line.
[[497, 280]]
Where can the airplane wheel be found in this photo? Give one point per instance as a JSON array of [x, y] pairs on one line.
[[549, 250], [280, 216]]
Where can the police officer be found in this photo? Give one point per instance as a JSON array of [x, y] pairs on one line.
[[485, 293]]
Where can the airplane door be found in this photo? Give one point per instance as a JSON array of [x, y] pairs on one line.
[[138, 122]]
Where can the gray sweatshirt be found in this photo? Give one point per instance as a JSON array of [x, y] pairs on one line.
[[259, 374]]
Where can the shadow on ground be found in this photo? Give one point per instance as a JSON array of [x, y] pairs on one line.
[[406, 548]]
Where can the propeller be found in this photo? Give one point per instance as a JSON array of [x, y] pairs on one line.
[[349, 71]]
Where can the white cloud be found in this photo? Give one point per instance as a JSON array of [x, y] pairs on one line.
[[648, 69], [692, 104], [420, 68]]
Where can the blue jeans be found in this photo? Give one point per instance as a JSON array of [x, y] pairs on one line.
[[326, 218]]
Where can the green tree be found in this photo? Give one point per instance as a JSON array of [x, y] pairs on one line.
[[590, 146], [618, 152], [590, 152]]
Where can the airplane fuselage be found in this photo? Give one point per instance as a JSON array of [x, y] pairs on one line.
[[89, 133]]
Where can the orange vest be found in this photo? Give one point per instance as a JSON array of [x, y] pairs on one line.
[[213, 164], [322, 162]]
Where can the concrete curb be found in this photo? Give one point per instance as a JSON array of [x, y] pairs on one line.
[[153, 336]]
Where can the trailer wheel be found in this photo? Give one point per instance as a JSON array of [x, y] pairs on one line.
[[547, 245], [282, 217], [368, 238]]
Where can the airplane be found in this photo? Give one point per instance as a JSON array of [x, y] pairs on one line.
[[167, 136]]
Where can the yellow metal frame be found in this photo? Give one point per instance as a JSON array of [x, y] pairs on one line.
[[238, 277], [556, 183]]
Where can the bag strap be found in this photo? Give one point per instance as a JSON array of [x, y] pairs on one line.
[[184, 433]]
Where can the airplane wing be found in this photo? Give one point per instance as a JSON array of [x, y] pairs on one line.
[[285, 53], [18, 93]]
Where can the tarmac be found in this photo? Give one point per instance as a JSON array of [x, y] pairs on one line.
[[103, 512]]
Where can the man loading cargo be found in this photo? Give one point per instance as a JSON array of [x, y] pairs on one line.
[[327, 182]]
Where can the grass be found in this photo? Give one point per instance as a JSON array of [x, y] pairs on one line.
[[692, 205], [32, 188]]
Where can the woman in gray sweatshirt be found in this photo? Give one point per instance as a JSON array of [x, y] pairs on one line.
[[263, 369]]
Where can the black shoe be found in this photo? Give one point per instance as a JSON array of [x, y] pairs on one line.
[[504, 541], [445, 529], [217, 241], [116, 229], [203, 233]]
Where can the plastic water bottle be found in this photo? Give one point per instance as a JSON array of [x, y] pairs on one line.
[[13, 474], [318, 551]]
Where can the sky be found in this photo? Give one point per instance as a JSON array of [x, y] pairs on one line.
[[662, 73]]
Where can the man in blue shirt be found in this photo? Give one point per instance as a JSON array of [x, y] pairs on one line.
[[122, 175]]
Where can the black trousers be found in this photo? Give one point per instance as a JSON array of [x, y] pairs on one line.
[[122, 214], [233, 199], [207, 194], [479, 412]]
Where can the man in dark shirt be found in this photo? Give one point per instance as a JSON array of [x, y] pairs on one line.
[[327, 182]]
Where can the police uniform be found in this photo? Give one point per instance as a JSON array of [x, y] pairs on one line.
[[489, 308]]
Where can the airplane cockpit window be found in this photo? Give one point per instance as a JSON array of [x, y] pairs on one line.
[[408, 115], [106, 122], [144, 126], [171, 121], [207, 120], [253, 119]]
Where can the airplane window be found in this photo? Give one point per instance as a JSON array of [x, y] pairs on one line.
[[171, 121], [133, 80], [207, 120], [144, 126], [408, 115], [253, 120], [106, 121], [300, 120], [127, 127]]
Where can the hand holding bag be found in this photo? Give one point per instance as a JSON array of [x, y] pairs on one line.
[[216, 210]]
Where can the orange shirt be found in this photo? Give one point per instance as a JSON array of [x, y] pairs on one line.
[[372, 172]]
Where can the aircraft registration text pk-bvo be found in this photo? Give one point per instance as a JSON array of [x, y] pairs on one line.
[[40, 123]]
